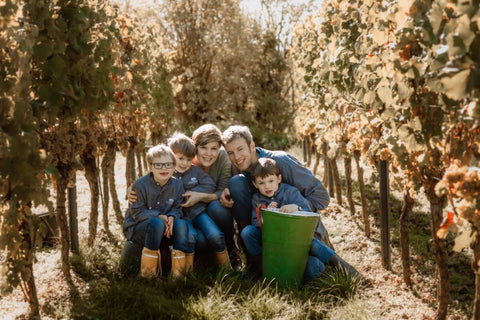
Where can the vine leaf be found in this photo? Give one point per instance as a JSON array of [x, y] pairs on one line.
[[456, 86]]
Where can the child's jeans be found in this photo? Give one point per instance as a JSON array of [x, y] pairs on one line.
[[149, 233], [202, 229], [319, 254], [205, 225], [184, 236]]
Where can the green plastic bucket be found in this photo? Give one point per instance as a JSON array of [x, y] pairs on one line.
[[286, 239]]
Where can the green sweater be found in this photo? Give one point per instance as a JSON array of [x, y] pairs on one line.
[[221, 172]]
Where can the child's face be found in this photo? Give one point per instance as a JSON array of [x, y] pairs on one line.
[[183, 162], [162, 168], [268, 185]]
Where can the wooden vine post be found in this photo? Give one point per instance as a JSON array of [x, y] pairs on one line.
[[384, 214]]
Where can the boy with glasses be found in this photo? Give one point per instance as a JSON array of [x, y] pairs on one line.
[[156, 211]]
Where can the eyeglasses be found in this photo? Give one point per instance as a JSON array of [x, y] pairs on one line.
[[161, 165]]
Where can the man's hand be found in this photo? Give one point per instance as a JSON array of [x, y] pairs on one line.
[[225, 199], [132, 196], [289, 208]]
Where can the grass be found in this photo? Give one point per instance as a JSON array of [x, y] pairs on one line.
[[205, 294]]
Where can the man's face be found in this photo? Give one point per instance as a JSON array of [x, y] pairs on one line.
[[240, 153], [268, 185]]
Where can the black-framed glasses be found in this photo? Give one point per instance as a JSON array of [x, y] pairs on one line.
[[161, 165]]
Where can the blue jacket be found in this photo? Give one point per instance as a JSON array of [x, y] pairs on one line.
[[195, 179], [295, 174], [286, 194], [152, 201]]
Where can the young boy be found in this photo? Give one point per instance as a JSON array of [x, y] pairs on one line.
[[272, 193], [156, 211], [195, 179]]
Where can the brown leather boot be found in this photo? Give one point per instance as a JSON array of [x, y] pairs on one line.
[[149, 263], [178, 264], [223, 260], [189, 262]]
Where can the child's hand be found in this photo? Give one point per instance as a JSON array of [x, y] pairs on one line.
[[166, 220], [132, 195], [273, 204], [289, 208], [169, 228]]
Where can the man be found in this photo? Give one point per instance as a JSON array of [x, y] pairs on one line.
[[243, 154]]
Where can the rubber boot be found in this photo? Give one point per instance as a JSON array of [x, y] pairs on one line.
[[178, 264], [223, 260], [339, 263], [149, 263], [189, 262]]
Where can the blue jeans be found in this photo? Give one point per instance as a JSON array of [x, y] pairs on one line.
[[184, 236], [149, 233], [241, 191], [211, 231], [222, 218], [319, 253]]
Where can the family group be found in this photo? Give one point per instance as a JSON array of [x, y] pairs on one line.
[[199, 188]]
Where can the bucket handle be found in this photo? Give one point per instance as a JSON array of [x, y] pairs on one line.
[[259, 218]]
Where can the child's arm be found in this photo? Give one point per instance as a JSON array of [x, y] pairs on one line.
[[295, 201], [203, 192]]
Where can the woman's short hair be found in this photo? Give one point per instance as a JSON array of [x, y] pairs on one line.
[[206, 134]]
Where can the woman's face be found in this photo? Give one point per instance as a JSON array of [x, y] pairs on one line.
[[207, 154]]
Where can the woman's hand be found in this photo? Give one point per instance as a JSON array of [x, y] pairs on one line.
[[289, 208], [191, 197], [225, 199]]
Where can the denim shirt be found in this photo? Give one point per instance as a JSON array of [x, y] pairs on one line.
[[295, 174], [195, 179], [152, 201], [286, 194]]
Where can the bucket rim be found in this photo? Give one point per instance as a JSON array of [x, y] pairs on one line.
[[296, 213]]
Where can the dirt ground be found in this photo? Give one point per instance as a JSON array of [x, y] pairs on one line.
[[388, 298]]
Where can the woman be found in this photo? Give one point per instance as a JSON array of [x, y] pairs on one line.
[[213, 159]]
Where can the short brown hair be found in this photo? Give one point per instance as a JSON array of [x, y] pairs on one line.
[[158, 151], [206, 134], [180, 143], [234, 132], [265, 167]]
